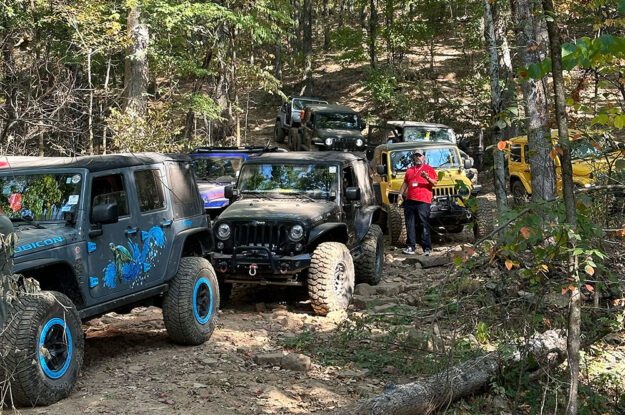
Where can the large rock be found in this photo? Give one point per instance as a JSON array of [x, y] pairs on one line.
[[269, 359], [364, 290], [296, 362]]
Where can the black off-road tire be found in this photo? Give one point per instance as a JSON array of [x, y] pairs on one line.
[[278, 133], [396, 225], [331, 278], [520, 196], [44, 346], [369, 266], [190, 306], [483, 223]]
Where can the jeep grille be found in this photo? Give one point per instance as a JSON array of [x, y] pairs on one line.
[[271, 235], [343, 143], [445, 191]]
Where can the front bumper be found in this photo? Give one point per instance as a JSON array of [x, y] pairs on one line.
[[256, 263], [445, 212]]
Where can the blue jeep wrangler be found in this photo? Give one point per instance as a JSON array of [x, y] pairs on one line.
[[99, 234], [218, 167]]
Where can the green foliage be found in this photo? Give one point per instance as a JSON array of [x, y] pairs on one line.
[[349, 44], [383, 85]]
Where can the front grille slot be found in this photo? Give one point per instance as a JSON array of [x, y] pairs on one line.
[[343, 143], [270, 235]]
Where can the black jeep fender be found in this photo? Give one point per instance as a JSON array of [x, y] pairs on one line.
[[367, 216], [326, 232], [190, 242]]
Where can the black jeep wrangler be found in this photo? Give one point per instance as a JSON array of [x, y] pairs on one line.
[[301, 219], [329, 127], [99, 234]]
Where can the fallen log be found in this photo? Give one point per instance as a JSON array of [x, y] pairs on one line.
[[437, 391]]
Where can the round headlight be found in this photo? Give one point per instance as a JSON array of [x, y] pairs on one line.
[[223, 231], [329, 141], [296, 233], [359, 142]]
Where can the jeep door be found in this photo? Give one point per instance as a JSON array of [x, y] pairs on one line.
[[155, 234], [108, 243], [349, 207]]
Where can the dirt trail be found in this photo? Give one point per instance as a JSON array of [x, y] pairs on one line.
[[131, 367]]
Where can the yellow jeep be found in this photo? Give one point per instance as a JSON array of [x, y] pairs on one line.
[[451, 209], [593, 159]]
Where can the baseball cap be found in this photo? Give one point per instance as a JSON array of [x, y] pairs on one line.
[[417, 153]]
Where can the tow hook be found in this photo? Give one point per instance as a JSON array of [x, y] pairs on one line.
[[223, 267], [252, 271], [284, 268]]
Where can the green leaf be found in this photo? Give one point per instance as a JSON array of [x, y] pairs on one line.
[[619, 165], [534, 71], [619, 121]]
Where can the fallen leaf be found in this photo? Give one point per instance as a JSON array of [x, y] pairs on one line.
[[589, 287], [509, 264], [589, 270], [525, 232]]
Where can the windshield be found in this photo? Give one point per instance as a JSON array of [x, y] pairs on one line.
[[438, 158], [317, 181], [591, 147], [299, 104], [41, 197], [219, 169], [337, 121], [429, 134]]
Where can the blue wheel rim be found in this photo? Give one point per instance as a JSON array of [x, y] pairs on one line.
[[202, 301], [55, 348]]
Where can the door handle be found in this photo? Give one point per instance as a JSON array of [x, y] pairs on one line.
[[166, 223], [131, 230]]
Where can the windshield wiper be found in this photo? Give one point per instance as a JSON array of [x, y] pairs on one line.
[[29, 220]]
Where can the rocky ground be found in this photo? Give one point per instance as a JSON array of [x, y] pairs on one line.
[[131, 366]]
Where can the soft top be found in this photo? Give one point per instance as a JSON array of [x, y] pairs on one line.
[[332, 108], [234, 149], [416, 124], [306, 157], [91, 163], [411, 145], [308, 99]]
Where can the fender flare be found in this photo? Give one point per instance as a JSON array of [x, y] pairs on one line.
[[178, 247], [318, 232], [365, 219]]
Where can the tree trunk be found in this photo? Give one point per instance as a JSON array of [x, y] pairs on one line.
[[307, 48], [326, 25], [8, 89], [277, 66], [496, 107], [568, 188], [538, 134], [198, 85], [427, 395], [136, 66], [373, 32], [389, 17]]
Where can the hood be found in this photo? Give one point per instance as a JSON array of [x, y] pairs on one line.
[[31, 240], [583, 167], [292, 210], [334, 133], [212, 194]]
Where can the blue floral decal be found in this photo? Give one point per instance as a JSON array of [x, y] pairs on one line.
[[129, 263]]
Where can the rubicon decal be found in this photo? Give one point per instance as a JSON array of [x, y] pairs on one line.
[[39, 244]]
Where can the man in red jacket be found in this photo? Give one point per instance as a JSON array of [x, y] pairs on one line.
[[417, 193]]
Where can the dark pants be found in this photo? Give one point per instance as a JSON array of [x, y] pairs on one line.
[[418, 223]]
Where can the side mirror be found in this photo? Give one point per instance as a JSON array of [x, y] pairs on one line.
[[468, 163], [105, 213], [381, 169], [230, 192], [352, 193]]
